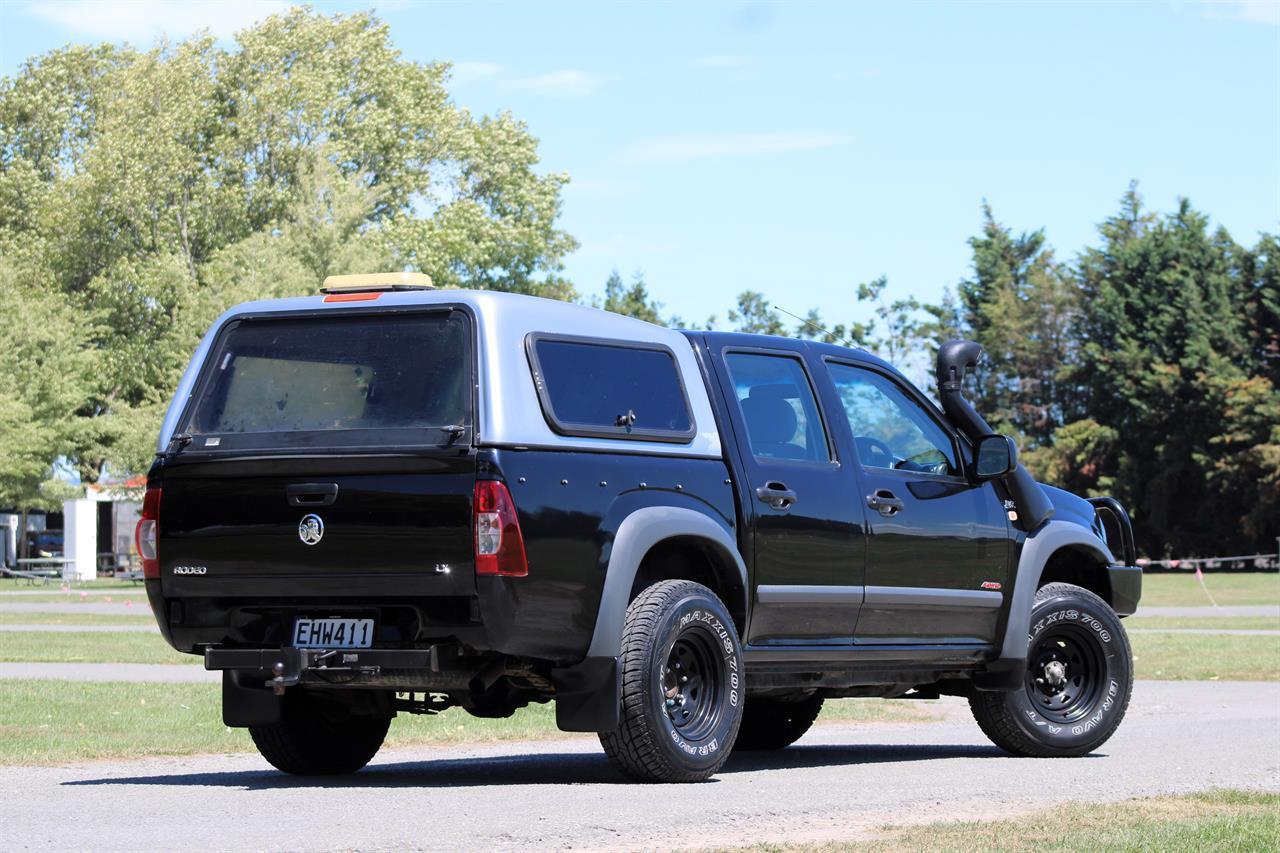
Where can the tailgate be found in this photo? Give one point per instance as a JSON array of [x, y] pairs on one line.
[[327, 454], [308, 527]]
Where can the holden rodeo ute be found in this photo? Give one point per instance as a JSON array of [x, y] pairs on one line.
[[388, 499]]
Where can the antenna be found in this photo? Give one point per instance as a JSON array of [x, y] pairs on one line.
[[814, 325]]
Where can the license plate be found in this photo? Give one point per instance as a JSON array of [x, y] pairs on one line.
[[333, 633]]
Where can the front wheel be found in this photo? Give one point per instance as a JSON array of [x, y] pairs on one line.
[[1077, 684], [682, 686]]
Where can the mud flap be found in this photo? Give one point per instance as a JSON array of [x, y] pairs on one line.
[[588, 695], [1001, 675], [246, 701]]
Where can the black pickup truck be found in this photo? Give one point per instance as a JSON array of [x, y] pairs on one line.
[[387, 498]]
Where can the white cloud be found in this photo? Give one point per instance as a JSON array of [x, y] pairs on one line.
[[721, 62], [144, 20], [1260, 11], [1255, 11], [685, 148], [567, 83], [464, 72]]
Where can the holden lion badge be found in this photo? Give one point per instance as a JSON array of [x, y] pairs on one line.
[[310, 529]]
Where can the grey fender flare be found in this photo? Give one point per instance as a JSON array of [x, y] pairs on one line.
[[1036, 551], [639, 532]]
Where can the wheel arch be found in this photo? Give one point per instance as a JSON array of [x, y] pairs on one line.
[[666, 543], [1080, 566], [1056, 551]]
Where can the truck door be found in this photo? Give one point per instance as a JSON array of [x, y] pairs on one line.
[[799, 499], [938, 556]]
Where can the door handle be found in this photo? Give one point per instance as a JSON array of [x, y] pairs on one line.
[[776, 495], [311, 494], [884, 502]]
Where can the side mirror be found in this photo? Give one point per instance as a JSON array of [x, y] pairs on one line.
[[996, 456]]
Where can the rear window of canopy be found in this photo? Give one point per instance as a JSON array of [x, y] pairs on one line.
[[378, 379]]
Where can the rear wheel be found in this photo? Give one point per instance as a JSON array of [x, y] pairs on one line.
[[320, 735], [682, 685], [1077, 684], [776, 723]]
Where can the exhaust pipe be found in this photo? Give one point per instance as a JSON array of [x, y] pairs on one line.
[[955, 359]]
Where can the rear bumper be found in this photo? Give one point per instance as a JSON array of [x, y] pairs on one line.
[[293, 660], [191, 624], [494, 621], [1126, 588], [587, 694], [434, 669]]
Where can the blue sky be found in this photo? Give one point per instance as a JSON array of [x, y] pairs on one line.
[[800, 149]]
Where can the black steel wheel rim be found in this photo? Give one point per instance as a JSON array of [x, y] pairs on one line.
[[1066, 673], [693, 684]]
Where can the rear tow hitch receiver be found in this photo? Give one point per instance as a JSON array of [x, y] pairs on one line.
[[288, 671]]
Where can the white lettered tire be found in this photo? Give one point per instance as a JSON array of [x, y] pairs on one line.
[[683, 686], [1078, 681]]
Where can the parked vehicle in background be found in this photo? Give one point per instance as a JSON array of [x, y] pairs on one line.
[[45, 543], [390, 499]]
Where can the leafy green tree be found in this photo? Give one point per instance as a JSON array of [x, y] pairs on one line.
[[1020, 304], [46, 367], [1262, 305], [632, 300], [155, 188], [1166, 362], [755, 316], [1077, 459]]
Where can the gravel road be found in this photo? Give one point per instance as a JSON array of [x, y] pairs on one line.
[[840, 781], [164, 672]]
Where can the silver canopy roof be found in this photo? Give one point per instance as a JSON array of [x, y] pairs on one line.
[[508, 412]]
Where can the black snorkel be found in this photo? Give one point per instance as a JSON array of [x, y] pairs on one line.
[[955, 359]]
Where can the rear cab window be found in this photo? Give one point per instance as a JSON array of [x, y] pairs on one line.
[[610, 389], [323, 380], [778, 407]]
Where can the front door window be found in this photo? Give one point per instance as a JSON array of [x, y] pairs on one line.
[[890, 430]]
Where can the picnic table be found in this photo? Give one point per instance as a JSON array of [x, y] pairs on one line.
[[42, 569]]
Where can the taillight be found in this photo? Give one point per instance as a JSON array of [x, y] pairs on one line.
[[499, 545], [145, 534]]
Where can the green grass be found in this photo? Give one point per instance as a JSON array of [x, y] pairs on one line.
[[1206, 657], [1183, 590], [1223, 820], [1205, 623], [877, 711], [128, 617], [50, 647], [49, 722]]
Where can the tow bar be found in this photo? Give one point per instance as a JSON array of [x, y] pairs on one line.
[[290, 666]]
